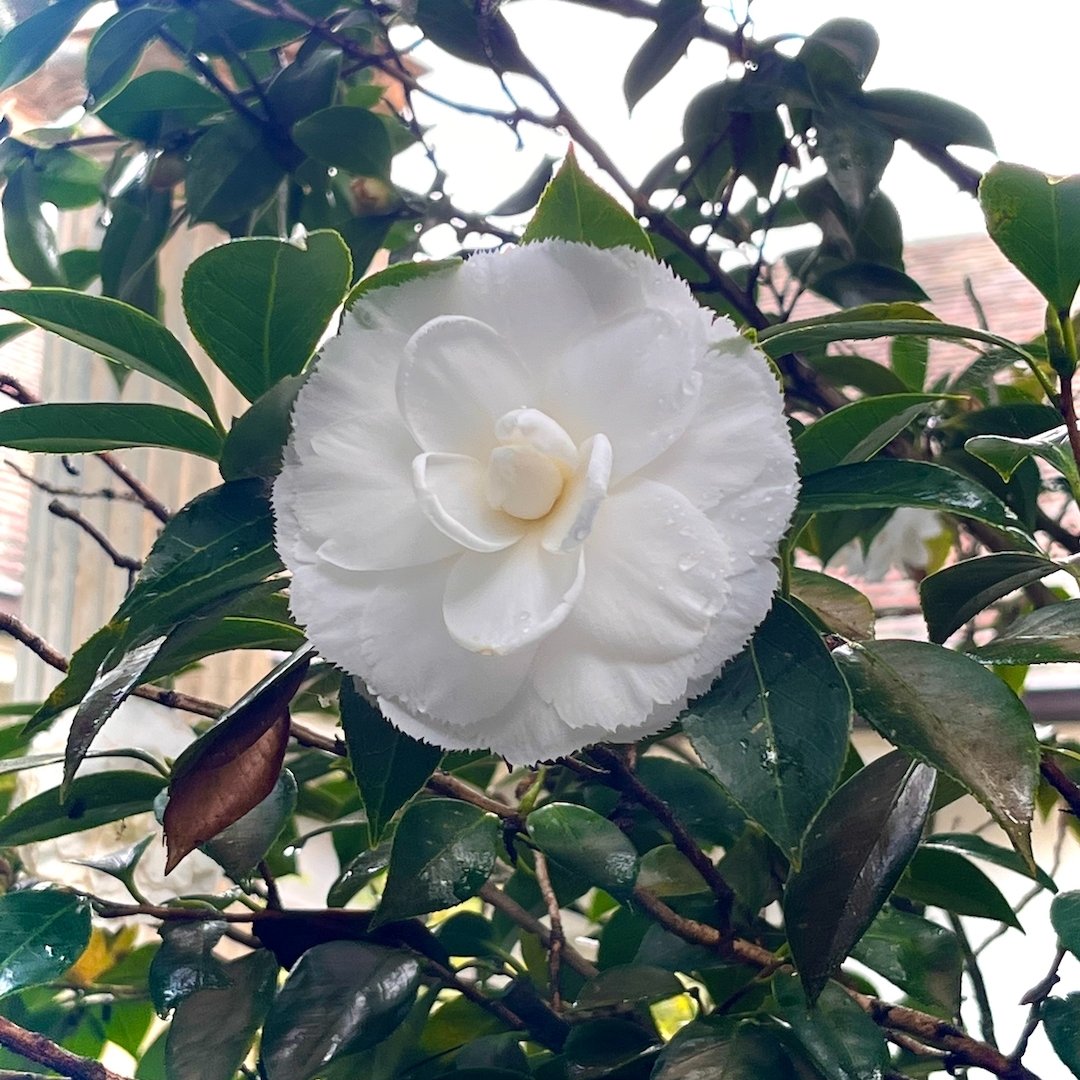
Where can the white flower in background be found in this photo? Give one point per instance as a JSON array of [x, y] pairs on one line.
[[903, 541], [533, 501], [139, 724]]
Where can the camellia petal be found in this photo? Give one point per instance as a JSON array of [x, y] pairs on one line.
[[588, 476]]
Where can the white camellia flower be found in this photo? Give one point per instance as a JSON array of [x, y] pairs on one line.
[[136, 724], [902, 542], [533, 500]]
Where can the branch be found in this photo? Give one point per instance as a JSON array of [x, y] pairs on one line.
[[442, 783], [1061, 782], [108, 494], [1035, 998], [556, 938], [35, 1047], [124, 562], [978, 983]]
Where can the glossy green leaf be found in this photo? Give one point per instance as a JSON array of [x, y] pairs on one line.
[[116, 48], [116, 330], [954, 714], [945, 879], [239, 847], [1034, 219], [908, 358], [396, 275], [773, 730], [1065, 919], [838, 1037], [979, 848], [346, 137], [341, 997], [389, 766], [841, 607], [185, 963], [69, 180], [87, 428], [865, 375], [1006, 455], [924, 118], [918, 955], [30, 238], [443, 853], [356, 873], [889, 483], [1061, 1019], [259, 306], [666, 871], [42, 933], [158, 104], [479, 35], [857, 431], [677, 24], [1050, 635], [256, 442], [959, 592], [30, 42], [701, 1051], [138, 226], [628, 984], [853, 856], [574, 207], [698, 800], [586, 845], [92, 800], [213, 1029], [231, 173]]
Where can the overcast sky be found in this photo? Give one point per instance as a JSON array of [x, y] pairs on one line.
[[1014, 64]]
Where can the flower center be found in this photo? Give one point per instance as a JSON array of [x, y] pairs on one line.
[[528, 469]]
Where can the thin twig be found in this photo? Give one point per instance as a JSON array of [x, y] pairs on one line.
[[556, 938], [273, 894], [124, 562], [978, 983], [1035, 998], [467, 990], [442, 783], [35, 1047], [1061, 782], [108, 494]]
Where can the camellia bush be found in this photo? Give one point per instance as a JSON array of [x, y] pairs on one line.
[[544, 542]]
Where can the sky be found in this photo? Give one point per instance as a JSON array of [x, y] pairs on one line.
[[1014, 64]]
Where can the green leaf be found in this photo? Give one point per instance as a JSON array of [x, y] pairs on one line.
[[307, 85], [838, 1037], [841, 607], [69, 180], [924, 118], [701, 1051], [909, 357], [773, 730], [31, 240], [853, 856], [1034, 219], [307, 1026], [917, 955], [42, 933], [443, 853], [185, 963], [213, 1029], [30, 42], [117, 331], [389, 766], [677, 24], [945, 879], [356, 873], [239, 847], [857, 431], [701, 804], [628, 984], [87, 428], [348, 138], [158, 104], [256, 442], [1050, 635], [666, 871], [978, 848], [479, 35], [92, 800], [573, 207], [259, 306], [959, 592], [865, 375], [230, 173], [138, 227], [116, 49], [586, 845], [1061, 1019], [887, 483], [952, 713], [396, 275], [1006, 455], [1065, 919]]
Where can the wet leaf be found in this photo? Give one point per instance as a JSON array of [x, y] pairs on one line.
[[979, 848], [346, 137], [703, 1051], [443, 853], [185, 963], [853, 856], [341, 997], [666, 871], [582, 843], [42, 933], [677, 24], [1050, 635], [628, 984], [959, 592], [234, 766], [773, 730], [947, 880], [388, 765], [841, 607], [952, 713], [159, 104]]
